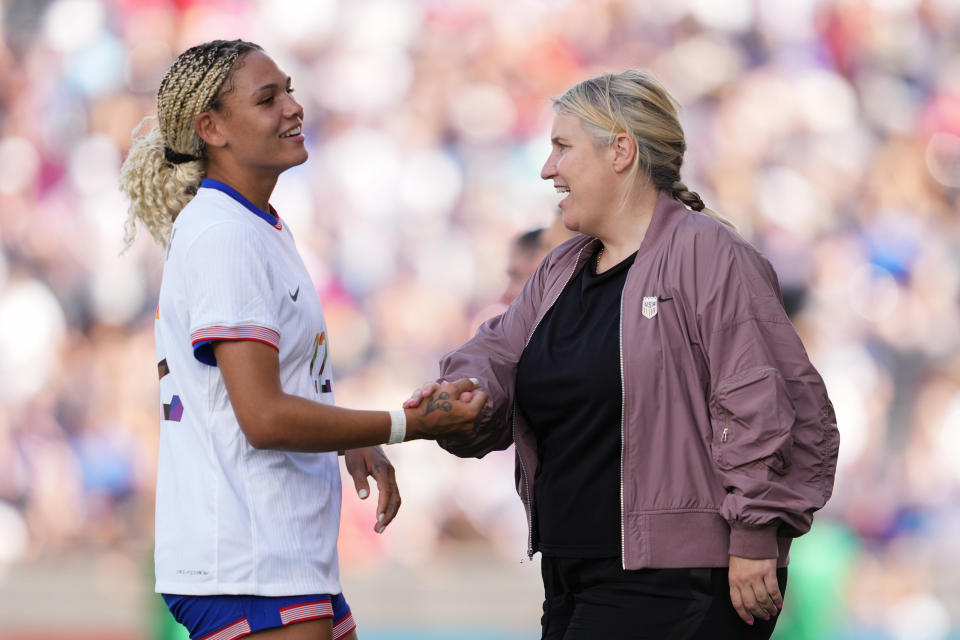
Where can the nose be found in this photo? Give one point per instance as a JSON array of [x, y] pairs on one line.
[[549, 169], [293, 108]]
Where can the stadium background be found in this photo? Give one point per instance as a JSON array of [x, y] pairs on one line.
[[829, 131]]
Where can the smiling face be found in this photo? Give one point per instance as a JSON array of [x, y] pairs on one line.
[[581, 170], [258, 125]]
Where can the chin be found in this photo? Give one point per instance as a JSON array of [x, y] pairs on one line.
[[296, 162], [570, 222]]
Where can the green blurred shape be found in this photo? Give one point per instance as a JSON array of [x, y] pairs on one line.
[[159, 623], [820, 565], [165, 627]]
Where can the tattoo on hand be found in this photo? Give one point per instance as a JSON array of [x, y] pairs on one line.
[[441, 403]]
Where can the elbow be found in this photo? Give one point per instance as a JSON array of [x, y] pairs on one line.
[[258, 440], [259, 428]]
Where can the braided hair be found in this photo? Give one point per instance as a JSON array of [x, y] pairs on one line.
[[165, 166], [635, 103]]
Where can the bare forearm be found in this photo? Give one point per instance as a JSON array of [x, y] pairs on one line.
[[270, 418], [292, 423]]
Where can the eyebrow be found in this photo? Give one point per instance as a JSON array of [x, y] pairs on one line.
[[556, 139], [274, 85]]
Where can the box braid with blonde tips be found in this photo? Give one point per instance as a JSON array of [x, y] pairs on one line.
[[165, 166], [634, 102]]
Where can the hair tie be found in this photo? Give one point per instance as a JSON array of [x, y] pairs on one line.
[[174, 157]]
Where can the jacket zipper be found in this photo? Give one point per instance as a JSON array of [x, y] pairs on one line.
[[526, 486], [523, 467], [623, 409]]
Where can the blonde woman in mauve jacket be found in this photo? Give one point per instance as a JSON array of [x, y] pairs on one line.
[[672, 436]]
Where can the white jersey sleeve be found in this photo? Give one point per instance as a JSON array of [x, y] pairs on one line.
[[228, 290]]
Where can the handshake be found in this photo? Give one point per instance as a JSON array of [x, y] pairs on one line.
[[443, 410]]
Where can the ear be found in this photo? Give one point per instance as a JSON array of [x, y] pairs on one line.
[[209, 129], [624, 149]]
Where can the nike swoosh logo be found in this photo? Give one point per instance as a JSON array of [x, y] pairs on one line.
[[295, 294]]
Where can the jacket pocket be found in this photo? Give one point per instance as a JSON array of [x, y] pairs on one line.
[[752, 416]]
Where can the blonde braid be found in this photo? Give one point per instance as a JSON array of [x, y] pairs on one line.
[[165, 166], [690, 198], [693, 200]]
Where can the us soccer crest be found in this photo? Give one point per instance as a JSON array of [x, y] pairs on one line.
[[649, 308]]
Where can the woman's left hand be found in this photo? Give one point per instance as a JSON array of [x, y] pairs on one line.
[[754, 589], [372, 461]]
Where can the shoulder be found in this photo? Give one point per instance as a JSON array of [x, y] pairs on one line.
[[706, 234], [208, 208], [215, 251], [214, 223], [714, 244], [704, 255]]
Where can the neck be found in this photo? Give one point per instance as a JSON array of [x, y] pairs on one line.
[[255, 188], [623, 231]]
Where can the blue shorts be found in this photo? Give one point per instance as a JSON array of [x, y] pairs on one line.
[[230, 617]]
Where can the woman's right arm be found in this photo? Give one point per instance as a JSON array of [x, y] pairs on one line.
[[491, 358], [273, 419]]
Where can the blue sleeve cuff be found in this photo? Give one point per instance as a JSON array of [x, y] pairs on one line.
[[203, 351]]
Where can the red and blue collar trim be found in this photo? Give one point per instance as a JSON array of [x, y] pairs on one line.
[[270, 216]]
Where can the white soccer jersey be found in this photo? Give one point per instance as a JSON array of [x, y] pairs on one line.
[[232, 519]]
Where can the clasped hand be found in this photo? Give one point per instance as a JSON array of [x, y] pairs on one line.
[[441, 410], [444, 410]]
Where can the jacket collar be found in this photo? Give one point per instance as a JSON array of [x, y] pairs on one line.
[[667, 212]]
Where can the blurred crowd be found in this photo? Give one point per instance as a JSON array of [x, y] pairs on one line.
[[827, 130]]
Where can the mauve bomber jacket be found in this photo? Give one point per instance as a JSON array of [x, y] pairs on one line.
[[728, 439]]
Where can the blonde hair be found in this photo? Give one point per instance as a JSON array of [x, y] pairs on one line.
[[633, 102], [165, 166]]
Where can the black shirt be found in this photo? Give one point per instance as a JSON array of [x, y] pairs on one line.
[[569, 392]]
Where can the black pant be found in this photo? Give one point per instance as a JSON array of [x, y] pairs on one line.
[[593, 598]]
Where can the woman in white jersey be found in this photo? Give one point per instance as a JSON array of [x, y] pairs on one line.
[[248, 488]]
